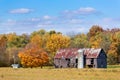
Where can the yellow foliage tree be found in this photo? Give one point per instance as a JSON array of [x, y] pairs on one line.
[[95, 36], [95, 41], [37, 39], [11, 36], [55, 42], [114, 51], [33, 56]]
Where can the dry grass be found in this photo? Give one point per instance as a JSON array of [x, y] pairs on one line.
[[59, 74]]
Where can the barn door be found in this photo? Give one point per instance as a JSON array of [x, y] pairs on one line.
[[92, 61]]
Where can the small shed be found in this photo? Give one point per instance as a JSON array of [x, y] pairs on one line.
[[15, 65], [92, 58]]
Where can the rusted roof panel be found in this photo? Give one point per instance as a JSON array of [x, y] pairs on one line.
[[67, 53], [73, 53], [92, 53]]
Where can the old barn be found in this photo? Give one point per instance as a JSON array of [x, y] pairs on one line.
[[92, 58]]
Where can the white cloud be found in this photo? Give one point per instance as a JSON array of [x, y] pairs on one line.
[[81, 11], [45, 24], [46, 17], [35, 19], [74, 24], [21, 11], [9, 22], [75, 21], [86, 10]]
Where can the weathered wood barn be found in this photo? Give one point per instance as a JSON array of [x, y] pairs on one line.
[[92, 58]]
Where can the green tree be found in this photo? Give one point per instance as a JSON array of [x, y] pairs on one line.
[[17, 41], [106, 41], [79, 41], [39, 32]]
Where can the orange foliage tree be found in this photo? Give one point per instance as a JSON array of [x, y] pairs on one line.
[[33, 56], [3, 43], [94, 30], [3, 56]]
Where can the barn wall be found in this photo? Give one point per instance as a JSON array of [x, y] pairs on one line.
[[63, 63], [102, 60], [56, 63], [88, 62], [95, 63], [60, 63], [101, 63], [73, 62]]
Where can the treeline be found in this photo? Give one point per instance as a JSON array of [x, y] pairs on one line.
[[44, 42]]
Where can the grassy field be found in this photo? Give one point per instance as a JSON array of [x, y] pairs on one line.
[[59, 74]]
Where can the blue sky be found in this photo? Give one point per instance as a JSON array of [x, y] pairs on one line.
[[26, 16]]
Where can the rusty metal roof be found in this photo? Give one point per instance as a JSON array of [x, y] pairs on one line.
[[73, 53], [92, 53]]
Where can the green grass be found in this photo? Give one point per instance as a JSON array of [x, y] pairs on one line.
[[113, 66], [48, 73]]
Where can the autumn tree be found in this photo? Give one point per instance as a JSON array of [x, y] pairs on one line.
[[94, 30], [94, 36], [11, 37], [13, 55], [40, 32], [37, 39], [79, 41], [114, 51], [40, 38], [96, 41], [33, 56], [3, 56], [3, 42], [52, 32], [55, 42], [105, 41], [16, 40]]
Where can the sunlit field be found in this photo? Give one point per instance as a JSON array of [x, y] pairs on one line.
[[59, 74]]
